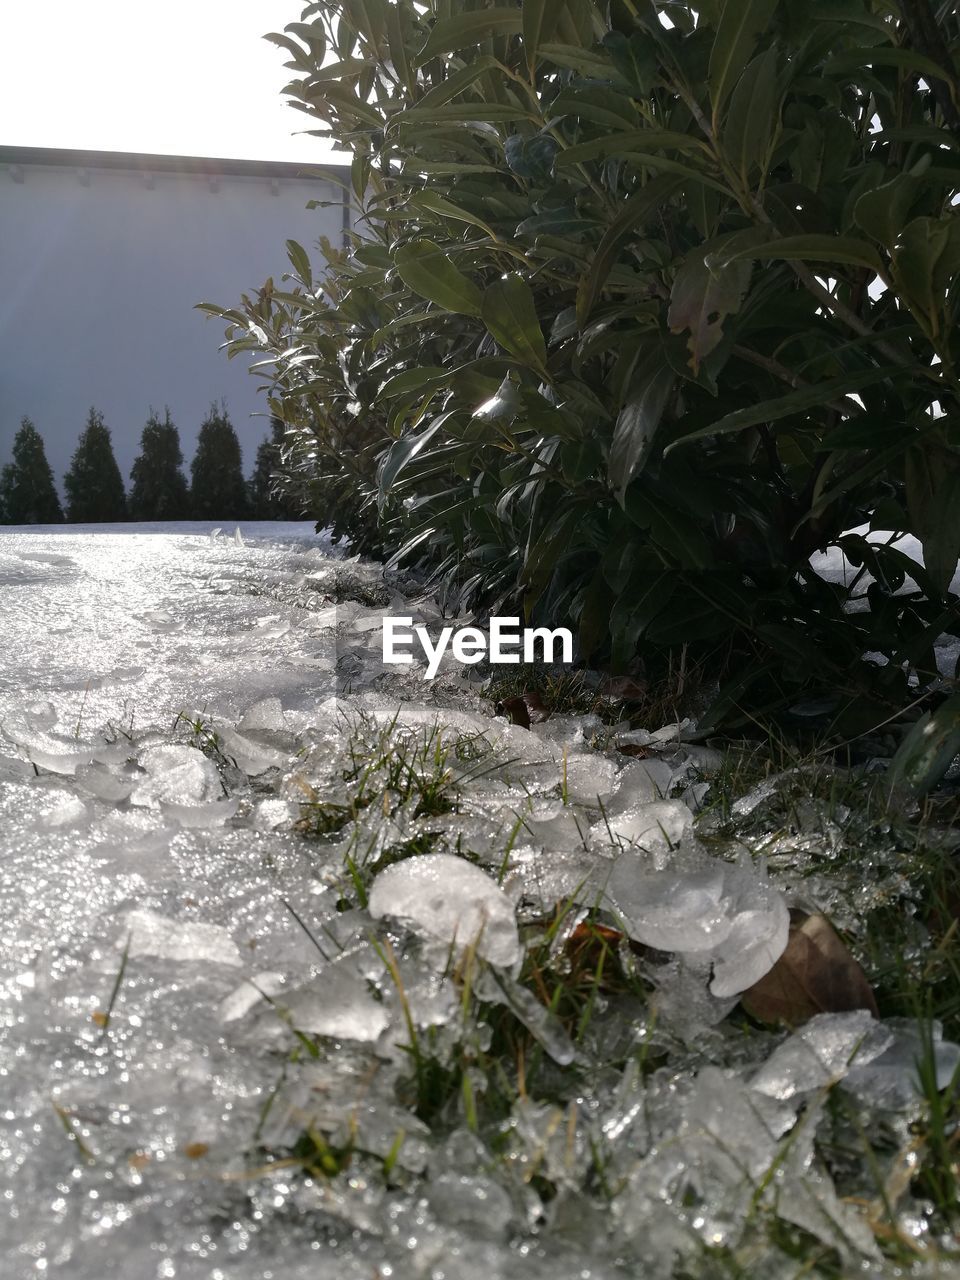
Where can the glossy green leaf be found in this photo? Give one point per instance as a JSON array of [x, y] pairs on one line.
[[510, 314], [462, 112], [798, 401], [928, 750], [503, 406], [884, 56], [884, 211], [300, 261], [401, 453], [576, 58], [539, 22], [413, 380], [338, 70], [629, 140], [299, 56], [926, 260], [431, 202], [709, 286], [817, 248], [635, 211], [941, 548], [742, 22], [753, 116], [678, 536], [599, 105], [469, 28], [638, 421], [646, 595], [397, 44], [426, 269], [456, 82]]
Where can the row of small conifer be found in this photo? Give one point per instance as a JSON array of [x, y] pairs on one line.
[[159, 490]]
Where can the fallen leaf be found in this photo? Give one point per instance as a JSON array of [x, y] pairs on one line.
[[100, 1018], [634, 749], [529, 708], [593, 945], [623, 688], [139, 1160], [815, 974], [196, 1150]]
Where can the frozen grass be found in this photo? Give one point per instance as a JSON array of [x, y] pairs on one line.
[[582, 1012]]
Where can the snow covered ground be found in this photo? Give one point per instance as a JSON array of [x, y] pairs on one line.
[[169, 698]]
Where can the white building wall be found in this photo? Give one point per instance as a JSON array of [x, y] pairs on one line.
[[100, 271]]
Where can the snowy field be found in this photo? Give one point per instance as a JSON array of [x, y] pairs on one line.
[[170, 698]]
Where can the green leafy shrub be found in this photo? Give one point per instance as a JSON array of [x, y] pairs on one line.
[[645, 306]]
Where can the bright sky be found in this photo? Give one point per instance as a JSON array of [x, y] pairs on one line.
[[174, 77]]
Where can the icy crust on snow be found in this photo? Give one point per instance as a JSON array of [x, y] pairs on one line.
[[171, 704]]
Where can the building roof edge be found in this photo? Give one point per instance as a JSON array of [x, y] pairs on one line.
[[145, 162]]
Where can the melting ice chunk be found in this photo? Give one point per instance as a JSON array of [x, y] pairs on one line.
[[641, 782], [657, 825], [175, 775], [129, 832], [821, 1052], [265, 714], [337, 1004], [65, 762], [163, 621], [759, 931], [103, 783], [450, 899], [54, 752], [588, 778], [201, 815], [66, 810], [250, 756], [41, 715], [893, 1078], [249, 993], [729, 913], [155, 935], [671, 910]]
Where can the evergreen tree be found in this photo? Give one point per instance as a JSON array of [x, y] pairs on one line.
[[27, 492], [267, 501], [217, 490], [159, 490], [93, 484]]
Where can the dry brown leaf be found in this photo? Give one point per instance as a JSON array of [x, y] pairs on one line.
[[196, 1150], [99, 1017], [623, 688], [815, 974], [529, 708]]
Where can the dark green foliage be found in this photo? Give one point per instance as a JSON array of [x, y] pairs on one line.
[[159, 488], [641, 318], [217, 488], [93, 485], [271, 497], [28, 494]]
